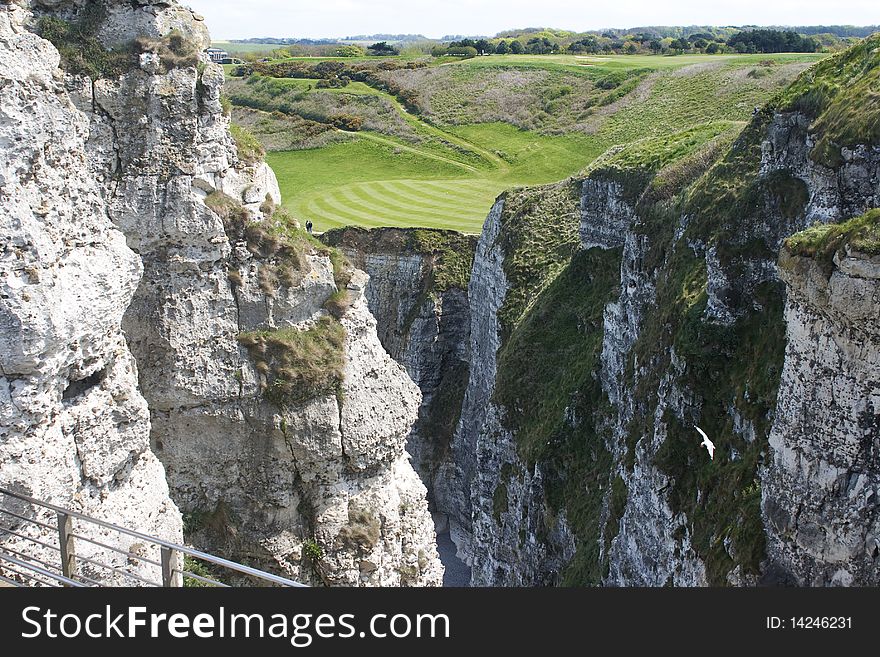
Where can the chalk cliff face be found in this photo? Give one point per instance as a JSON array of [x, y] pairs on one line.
[[697, 329], [74, 427], [821, 485], [319, 486]]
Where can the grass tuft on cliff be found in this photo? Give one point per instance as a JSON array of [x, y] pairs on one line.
[[298, 365], [250, 150], [824, 241]]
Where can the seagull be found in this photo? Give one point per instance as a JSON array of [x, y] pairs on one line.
[[708, 444]]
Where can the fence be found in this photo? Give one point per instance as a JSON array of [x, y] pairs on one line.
[[45, 545]]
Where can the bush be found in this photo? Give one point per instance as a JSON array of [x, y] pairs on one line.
[[312, 551], [347, 122], [462, 51], [349, 51], [298, 365], [250, 150]]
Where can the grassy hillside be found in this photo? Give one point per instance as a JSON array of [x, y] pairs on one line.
[[478, 127]]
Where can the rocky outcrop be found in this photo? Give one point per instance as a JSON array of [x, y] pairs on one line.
[[317, 487], [821, 485], [606, 214], [74, 428]]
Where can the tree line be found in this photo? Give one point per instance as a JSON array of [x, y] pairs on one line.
[[750, 41]]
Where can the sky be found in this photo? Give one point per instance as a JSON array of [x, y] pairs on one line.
[[240, 19]]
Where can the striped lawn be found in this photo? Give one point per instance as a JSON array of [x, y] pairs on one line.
[[453, 204]]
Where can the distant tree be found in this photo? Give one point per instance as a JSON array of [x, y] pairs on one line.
[[588, 44], [502, 48], [541, 46], [700, 43], [655, 46], [631, 48], [769, 41], [349, 51], [712, 48], [462, 51], [383, 49], [679, 45], [439, 51], [517, 47], [483, 46]]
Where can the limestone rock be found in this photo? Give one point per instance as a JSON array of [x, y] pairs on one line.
[[74, 428]]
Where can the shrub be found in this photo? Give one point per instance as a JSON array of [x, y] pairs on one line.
[[299, 365], [347, 122], [363, 530], [250, 150], [463, 51], [312, 551], [195, 567]]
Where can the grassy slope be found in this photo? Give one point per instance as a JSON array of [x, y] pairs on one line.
[[376, 179]]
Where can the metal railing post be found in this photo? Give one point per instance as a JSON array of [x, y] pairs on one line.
[[65, 541], [170, 578]]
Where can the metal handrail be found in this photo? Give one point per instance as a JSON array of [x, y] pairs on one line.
[[41, 571], [124, 553], [166, 547]]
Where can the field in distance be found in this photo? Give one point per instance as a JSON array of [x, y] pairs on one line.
[[469, 129]]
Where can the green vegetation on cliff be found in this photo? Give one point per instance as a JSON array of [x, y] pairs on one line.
[[548, 383], [295, 364], [451, 253], [842, 97], [298, 364], [824, 241], [82, 52]]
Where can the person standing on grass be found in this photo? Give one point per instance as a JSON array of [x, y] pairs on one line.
[[309, 226]]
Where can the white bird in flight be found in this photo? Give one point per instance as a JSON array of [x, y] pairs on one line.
[[708, 444]]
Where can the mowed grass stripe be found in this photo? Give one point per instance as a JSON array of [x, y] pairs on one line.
[[479, 188], [453, 191], [328, 219], [389, 207], [333, 211], [401, 197], [354, 206], [389, 202]]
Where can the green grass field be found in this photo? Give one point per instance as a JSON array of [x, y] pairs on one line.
[[447, 176]]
